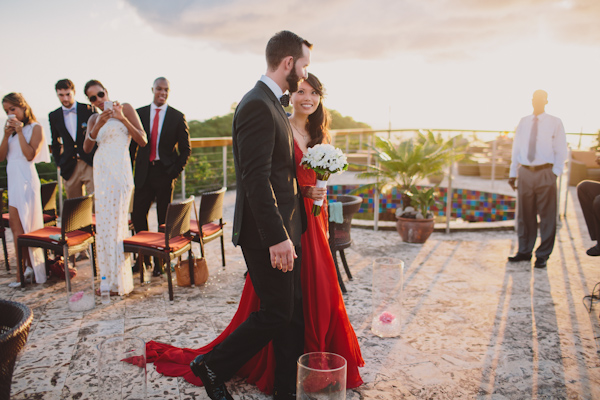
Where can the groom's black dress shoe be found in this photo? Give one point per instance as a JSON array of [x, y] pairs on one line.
[[540, 262], [520, 257], [215, 388], [593, 251]]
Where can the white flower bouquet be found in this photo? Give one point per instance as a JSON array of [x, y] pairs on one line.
[[325, 160]]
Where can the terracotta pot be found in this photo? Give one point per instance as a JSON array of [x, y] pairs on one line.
[[414, 230]]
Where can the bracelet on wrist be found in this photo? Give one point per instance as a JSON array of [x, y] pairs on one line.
[[90, 137]]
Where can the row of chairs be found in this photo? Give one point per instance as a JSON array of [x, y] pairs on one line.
[[48, 194], [77, 232], [209, 227]]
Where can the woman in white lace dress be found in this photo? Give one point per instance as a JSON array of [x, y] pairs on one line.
[[23, 146], [113, 181]]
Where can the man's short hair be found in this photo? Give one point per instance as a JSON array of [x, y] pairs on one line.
[[284, 44], [160, 78], [64, 84]]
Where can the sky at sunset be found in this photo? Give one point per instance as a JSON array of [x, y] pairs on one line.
[[461, 64]]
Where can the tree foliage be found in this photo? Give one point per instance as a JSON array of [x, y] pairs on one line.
[[221, 126]]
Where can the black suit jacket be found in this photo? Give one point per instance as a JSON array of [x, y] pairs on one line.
[[65, 150], [173, 148], [268, 208]]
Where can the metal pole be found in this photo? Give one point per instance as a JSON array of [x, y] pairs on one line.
[[449, 190], [569, 165], [224, 166], [376, 202], [183, 184], [494, 147], [60, 191]]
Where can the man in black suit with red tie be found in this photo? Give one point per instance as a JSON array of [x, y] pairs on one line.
[[268, 223], [158, 164], [68, 125]]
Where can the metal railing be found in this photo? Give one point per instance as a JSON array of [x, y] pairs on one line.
[[211, 161]]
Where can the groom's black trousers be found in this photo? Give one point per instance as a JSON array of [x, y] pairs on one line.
[[279, 318]]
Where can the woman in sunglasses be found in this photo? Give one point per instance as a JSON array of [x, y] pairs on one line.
[[113, 180], [24, 145]]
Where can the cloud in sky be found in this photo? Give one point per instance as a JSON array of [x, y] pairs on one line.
[[342, 29]]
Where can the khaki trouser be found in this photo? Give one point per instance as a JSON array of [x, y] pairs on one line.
[[82, 175]]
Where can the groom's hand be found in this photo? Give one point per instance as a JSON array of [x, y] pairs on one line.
[[283, 255]]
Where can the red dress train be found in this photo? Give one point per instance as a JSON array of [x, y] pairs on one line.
[[327, 327]]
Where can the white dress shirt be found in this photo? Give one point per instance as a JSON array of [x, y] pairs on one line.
[[71, 121], [272, 85], [551, 144], [161, 120]]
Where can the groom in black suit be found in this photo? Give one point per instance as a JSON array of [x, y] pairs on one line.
[[268, 223], [158, 164], [68, 125]]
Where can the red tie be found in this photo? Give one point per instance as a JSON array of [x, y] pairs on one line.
[[153, 136]]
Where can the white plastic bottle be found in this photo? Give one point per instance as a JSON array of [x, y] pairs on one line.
[[104, 291]]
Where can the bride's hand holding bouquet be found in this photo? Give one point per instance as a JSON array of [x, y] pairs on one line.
[[325, 160]]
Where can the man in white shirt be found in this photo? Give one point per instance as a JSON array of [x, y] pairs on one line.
[[68, 125], [538, 158]]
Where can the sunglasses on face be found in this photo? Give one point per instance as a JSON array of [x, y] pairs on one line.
[[94, 98]]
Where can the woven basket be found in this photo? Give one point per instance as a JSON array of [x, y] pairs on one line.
[[15, 320]]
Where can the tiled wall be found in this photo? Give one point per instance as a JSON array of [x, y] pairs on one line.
[[470, 205]]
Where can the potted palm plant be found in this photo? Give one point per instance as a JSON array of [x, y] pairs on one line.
[[415, 223], [403, 164]]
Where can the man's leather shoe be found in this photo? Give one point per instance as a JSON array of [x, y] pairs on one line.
[[157, 271], [593, 251], [540, 262], [520, 257], [215, 388]]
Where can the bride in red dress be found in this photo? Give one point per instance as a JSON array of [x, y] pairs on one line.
[[327, 327]]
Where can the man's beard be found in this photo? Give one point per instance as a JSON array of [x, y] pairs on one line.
[[293, 80]]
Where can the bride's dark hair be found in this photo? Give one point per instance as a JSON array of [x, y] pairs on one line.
[[317, 125]]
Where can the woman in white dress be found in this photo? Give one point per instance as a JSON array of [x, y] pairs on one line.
[[23, 145], [113, 181]]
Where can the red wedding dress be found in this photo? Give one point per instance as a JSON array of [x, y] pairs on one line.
[[327, 327]]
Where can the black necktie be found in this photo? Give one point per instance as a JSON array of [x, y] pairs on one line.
[[285, 100], [532, 140]]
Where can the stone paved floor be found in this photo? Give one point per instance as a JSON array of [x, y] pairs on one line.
[[474, 325]]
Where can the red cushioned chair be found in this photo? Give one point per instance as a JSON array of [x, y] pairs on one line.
[[173, 242], [48, 192], [211, 220], [75, 235]]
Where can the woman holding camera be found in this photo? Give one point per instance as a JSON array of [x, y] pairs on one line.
[[113, 181], [23, 145]]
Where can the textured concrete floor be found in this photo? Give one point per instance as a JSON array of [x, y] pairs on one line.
[[474, 325]]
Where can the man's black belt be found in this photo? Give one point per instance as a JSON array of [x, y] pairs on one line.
[[537, 167]]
